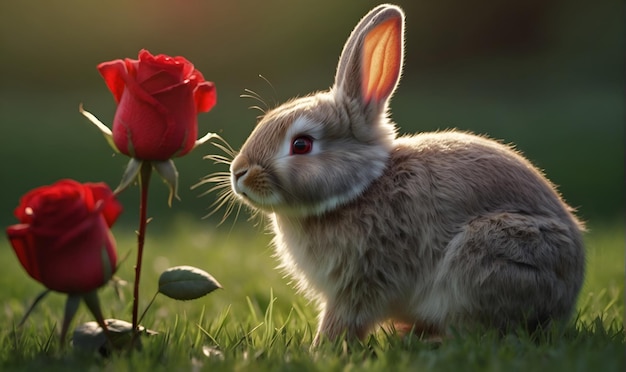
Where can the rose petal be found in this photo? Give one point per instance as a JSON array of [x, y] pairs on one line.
[[32, 199], [114, 73], [72, 262], [150, 65], [188, 68], [21, 241], [112, 208], [205, 96]]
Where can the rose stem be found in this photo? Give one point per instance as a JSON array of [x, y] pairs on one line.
[[144, 180]]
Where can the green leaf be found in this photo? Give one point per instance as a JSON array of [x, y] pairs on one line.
[[93, 304], [167, 171], [204, 139], [186, 283], [33, 305], [106, 132], [130, 174], [107, 272], [90, 338]]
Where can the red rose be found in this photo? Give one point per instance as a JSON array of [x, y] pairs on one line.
[[158, 99], [63, 239]]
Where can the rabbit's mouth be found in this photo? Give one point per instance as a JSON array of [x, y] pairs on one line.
[[266, 201], [258, 201], [273, 203]]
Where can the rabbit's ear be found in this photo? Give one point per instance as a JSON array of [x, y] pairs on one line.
[[371, 62]]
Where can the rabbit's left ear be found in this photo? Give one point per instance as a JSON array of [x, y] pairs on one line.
[[371, 62]]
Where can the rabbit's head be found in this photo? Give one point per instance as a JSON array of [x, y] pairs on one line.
[[315, 153]]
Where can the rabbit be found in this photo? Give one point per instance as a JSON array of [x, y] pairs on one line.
[[432, 231]]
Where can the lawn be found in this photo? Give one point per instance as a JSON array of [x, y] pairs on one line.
[[257, 322]]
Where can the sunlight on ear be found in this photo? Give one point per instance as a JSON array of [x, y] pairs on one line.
[[382, 59]]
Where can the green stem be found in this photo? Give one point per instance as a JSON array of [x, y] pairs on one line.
[[144, 180], [147, 307]]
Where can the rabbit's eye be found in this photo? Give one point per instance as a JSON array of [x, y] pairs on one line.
[[301, 145]]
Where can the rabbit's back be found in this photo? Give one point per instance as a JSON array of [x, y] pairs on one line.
[[464, 175]]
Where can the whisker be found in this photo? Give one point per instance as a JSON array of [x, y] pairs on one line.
[[231, 207], [255, 96], [213, 178], [228, 150], [249, 96], [264, 107], [271, 86], [215, 188], [257, 215], [220, 182], [218, 159], [222, 199], [217, 178], [256, 107], [224, 146], [222, 174]]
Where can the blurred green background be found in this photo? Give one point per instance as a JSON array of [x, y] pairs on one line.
[[545, 75]]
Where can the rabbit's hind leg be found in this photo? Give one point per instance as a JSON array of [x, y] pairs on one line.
[[509, 270]]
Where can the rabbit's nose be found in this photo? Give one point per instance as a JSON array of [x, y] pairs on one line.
[[239, 167], [239, 173]]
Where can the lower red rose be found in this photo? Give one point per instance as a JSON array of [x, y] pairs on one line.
[[63, 239]]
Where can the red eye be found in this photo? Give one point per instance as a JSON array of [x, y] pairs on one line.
[[301, 145]]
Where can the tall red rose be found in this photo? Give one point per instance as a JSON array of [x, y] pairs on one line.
[[63, 239], [159, 98]]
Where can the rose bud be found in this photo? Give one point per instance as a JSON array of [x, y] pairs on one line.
[[159, 98]]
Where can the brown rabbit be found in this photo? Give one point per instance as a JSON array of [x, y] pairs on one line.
[[434, 231]]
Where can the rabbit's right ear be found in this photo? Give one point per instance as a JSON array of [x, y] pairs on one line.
[[371, 61]]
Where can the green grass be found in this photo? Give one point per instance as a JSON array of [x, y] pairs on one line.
[[258, 323]]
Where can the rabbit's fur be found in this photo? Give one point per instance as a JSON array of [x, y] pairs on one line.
[[433, 231]]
